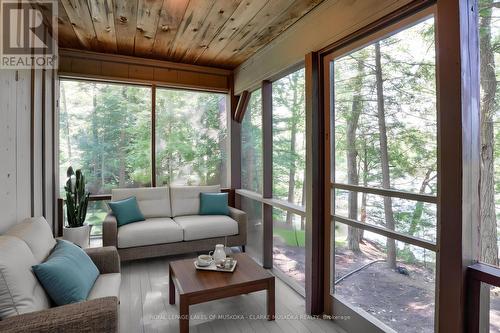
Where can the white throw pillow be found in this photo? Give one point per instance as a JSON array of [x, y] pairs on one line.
[[20, 291], [37, 233]]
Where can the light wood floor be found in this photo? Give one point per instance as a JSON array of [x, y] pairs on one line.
[[144, 306]]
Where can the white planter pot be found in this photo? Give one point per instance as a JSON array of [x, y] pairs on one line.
[[79, 236]]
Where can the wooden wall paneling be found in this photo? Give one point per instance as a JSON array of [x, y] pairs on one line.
[[267, 172], [101, 12], [79, 16], [23, 144], [216, 18], [240, 17], [171, 15], [125, 15], [49, 148], [114, 69], [458, 157], [246, 34], [43, 142], [55, 149], [32, 141], [140, 72], [317, 244], [8, 166], [37, 143], [143, 71], [288, 17], [192, 23], [148, 15], [65, 33]]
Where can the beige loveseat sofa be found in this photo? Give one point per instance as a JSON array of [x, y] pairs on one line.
[[24, 305], [172, 224]]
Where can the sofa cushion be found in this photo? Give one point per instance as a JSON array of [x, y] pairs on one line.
[[37, 233], [126, 211], [68, 274], [106, 285], [186, 199], [153, 201], [149, 232], [20, 291], [214, 204], [206, 226]]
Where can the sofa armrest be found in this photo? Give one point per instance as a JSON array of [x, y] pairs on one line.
[[99, 316], [105, 258], [110, 231], [240, 217]]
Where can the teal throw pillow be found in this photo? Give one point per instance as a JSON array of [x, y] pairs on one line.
[[214, 204], [126, 211], [68, 274]]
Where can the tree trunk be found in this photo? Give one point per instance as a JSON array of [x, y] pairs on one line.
[[293, 138], [488, 230], [352, 154], [419, 206], [66, 122], [121, 148], [384, 157], [364, 194], [303, 202]]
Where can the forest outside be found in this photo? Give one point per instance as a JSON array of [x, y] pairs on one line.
[[106, 130], [489, 49], [385, 130]]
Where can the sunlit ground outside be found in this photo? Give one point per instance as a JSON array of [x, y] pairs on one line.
[[403, 298]]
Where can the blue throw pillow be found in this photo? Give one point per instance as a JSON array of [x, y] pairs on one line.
[[68, 274], [126, 211], [214, 204]]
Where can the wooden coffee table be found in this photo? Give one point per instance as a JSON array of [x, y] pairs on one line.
[[196, 286]]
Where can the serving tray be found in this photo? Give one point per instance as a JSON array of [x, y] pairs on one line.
[[214, 268]]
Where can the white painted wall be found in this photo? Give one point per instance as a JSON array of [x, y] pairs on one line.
[[15, 147], [327, 23]]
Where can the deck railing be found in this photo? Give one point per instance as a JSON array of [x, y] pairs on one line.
[[477, 274]]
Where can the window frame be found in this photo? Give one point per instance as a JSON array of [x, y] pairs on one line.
[[340, 306], [59, 197]]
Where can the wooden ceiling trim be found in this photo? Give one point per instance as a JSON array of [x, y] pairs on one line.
[[297, 10], [218, 16], [118, 68], [125, 15], [241, 16], [148, 15], [71, 54], [79, 16], [195, 16], [171, 16], [245, 35], [101, 12]]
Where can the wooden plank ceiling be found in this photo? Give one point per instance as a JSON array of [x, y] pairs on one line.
[[218, 33]]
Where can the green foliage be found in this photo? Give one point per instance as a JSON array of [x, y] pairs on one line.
[[77, 198]]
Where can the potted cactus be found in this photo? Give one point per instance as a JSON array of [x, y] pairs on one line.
[[77, 199]]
